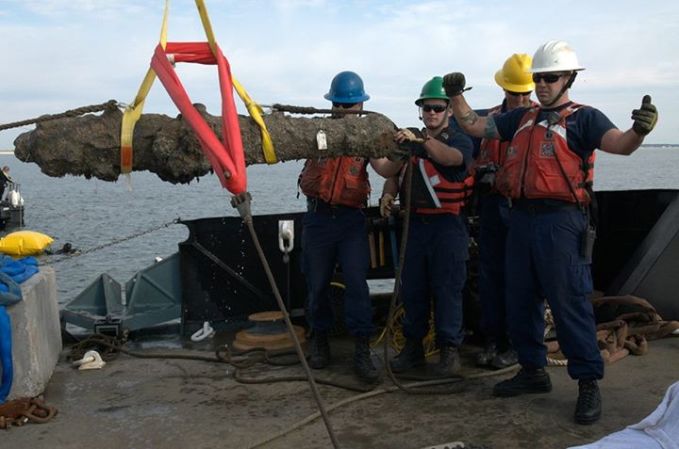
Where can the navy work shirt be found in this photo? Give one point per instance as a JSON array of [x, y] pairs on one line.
[[584, 128], [461, 142]]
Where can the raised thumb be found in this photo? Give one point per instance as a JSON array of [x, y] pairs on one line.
[[646, 100]]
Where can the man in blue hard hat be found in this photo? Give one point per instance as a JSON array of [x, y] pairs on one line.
[[548, 175], [335, 232], [434, 269]]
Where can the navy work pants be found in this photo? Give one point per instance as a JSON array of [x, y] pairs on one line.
[[544, 261], [494, 223], [435, 268], [334, 235]]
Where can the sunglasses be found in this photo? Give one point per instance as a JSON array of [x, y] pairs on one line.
[[438, 108], [548, 78], [519, 94], [343, 105]]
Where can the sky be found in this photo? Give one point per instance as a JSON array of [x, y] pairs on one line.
[[63, 54]]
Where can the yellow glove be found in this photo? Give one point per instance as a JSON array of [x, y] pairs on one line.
[[409, 135], [386, 203]]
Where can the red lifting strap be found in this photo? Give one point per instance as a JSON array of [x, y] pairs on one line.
[[227, 158]]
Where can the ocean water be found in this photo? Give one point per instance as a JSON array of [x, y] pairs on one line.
[[125, 219]]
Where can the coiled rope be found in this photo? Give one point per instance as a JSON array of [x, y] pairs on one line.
[[242, 203]]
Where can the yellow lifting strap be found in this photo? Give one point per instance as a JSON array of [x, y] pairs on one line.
[[255, 112], [133, 112], [253, 108]]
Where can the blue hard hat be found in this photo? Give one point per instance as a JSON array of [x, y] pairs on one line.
[[346, 87]]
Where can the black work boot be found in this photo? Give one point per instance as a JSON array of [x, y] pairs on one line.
[[527, 380], [505, 359], [488, 354], [363, 364], [449, 362], [320, 351], [588, 408], [411, 355]]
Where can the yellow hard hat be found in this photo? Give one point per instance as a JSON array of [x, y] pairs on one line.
[[515, 74]]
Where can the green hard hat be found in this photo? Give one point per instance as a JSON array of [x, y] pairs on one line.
[[432, 89]]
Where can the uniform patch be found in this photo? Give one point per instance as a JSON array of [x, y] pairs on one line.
[[546, 149]]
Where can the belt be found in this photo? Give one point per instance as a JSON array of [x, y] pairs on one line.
[[541, 205], [316, 204], [430, 218]]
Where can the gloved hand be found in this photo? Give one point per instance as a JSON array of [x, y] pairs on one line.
[[453, 84], [413, 135], [409, 141], [645, 117], [386, 203]]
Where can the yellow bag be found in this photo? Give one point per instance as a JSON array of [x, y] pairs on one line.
[[25, 243]]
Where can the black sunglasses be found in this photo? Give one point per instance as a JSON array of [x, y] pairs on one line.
[[438, 108], [343, 105], [519, 94], [548, 78]]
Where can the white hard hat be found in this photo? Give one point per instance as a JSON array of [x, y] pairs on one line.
[[555, 56]]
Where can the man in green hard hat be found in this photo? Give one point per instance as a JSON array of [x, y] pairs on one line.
[[434, 269]]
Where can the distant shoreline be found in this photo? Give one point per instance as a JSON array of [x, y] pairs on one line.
[[646, 145]]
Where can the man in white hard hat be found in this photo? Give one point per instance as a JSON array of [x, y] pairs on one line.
[[493, 212], [547, 175]]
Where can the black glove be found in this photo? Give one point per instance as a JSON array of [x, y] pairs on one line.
[[453, 84], [645, 117]]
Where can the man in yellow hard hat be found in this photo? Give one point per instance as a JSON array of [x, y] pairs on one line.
[[547, 174], [493, 210]]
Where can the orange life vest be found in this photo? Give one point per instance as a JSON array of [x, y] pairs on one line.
[[432, 193], [491, 151], [539, 164], [337, 181]]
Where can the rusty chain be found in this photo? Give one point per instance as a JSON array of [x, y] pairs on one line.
[[25, 410], [114, 242], [311, 110], [109, 105]]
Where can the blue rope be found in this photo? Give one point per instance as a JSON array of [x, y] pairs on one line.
[[5, 354]]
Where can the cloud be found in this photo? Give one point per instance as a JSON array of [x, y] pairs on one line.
[[108, 9], [61, 54]]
